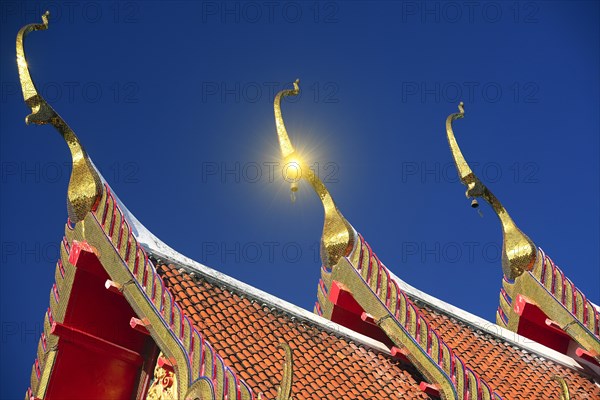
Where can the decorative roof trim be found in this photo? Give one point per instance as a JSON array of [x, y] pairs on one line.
[[378, 294], [522, 260], [127, 262], [487, 326]]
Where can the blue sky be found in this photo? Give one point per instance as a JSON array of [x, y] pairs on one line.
[[173, 102]]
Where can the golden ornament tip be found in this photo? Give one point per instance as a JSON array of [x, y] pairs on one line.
[[85, 186], [519, 252], [338, 235]]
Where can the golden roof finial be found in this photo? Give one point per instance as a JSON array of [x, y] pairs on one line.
[[338, 235], [85, 186], [518, 251]]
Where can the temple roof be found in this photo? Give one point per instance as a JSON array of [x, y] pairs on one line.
[[501, 356], [161, 251], [246, 326], [220, 338], [439, 308]]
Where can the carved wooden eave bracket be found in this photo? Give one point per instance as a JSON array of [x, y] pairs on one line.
[[164, 383]]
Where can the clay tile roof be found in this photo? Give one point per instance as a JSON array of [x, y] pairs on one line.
[[515, 373], [247, 335]]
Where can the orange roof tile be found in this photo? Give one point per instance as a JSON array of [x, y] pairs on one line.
[[247, 335]]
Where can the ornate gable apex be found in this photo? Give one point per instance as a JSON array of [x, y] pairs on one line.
[[110, 313], [537, 299]]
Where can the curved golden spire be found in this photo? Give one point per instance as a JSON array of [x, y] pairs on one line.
[[518, 251], [85, 186], [338, 235]]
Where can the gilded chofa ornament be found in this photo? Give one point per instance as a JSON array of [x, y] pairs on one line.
[[529, 273], [338, 236], [518, 251], [85, 186], [102, 229]]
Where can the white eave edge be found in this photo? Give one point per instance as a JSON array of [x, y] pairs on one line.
[[489, 327], [148, 240]]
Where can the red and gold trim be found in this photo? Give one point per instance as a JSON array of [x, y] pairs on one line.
[[169, 326], [545, 304], [103, 245], [371, 286]]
